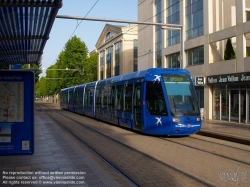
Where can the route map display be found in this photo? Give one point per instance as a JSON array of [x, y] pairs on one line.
[[16, 112], [11, 102]]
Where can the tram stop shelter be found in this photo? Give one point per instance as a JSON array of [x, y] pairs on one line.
[[25, 27]]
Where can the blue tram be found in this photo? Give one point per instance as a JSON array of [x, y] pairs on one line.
[[156, 101]]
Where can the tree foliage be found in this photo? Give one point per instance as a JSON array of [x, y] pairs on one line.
[[73, 67], [90, 68], [52, 80], [229, 51], [40, 87], [37, 66]]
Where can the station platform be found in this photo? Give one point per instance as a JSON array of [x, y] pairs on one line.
[[58, 160], [231, 131]]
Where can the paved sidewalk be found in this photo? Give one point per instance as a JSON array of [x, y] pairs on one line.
[[57, 154], [226, 130]]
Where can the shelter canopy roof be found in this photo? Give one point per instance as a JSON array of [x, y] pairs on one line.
[[25, 26]]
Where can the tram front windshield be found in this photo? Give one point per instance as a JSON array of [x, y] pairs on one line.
[[181, 95]]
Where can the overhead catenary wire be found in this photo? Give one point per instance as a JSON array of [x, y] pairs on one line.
[[77, 25]]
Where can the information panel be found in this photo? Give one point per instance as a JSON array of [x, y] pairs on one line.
[[16, 112]]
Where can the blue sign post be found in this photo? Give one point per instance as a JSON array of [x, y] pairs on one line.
[[16, 112]]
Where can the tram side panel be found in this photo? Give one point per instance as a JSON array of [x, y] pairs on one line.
[[78, 99], [89, 99], [71, 98], [106, 104], [138, 105], [101, 102], [64, 99]]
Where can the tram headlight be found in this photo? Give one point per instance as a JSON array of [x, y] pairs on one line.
[[176, 120], [198, 119]]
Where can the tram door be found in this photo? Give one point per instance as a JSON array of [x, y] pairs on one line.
[[137, 107], [111, 97]]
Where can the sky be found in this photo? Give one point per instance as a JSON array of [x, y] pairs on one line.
[[88, 31]]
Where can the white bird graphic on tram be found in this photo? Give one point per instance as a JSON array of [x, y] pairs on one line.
[[157, 78], [158, 121]]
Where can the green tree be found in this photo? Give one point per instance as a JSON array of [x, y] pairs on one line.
[[37, 66], [52, 80], [40, 87], [81, 68], [229, 51], [73, 58], [90, 68]]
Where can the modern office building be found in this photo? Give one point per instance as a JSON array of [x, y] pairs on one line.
[[117, 48], [216, 46]]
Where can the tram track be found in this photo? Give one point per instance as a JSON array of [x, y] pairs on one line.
[[198, 146], [201, 138], [89, 147], [117, 164]]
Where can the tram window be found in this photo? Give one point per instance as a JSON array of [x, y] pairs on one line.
[[137, 95], [88, 98], [111, 96], [155, 99], [128, 93], [119, 97], [181, 95], [98, 97], [77, 97], [70, 97], [104, 98], [80, 96]]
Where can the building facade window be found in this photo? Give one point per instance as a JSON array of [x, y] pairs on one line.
[[101, 73], [158, 34], [109, 36], [229, 102], [248, 51], [248, 15], [108, 61], [194, 18], [195, 56], [173, 61], [135, 55], [173, 17], [101, 64], [117, 58]]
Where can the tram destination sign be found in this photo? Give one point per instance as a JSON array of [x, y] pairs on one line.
[[229, 78]]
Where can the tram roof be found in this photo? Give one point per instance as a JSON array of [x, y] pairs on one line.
[[147, 73], [24, 29]]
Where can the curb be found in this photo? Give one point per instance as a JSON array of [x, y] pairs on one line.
[[222, 136]]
